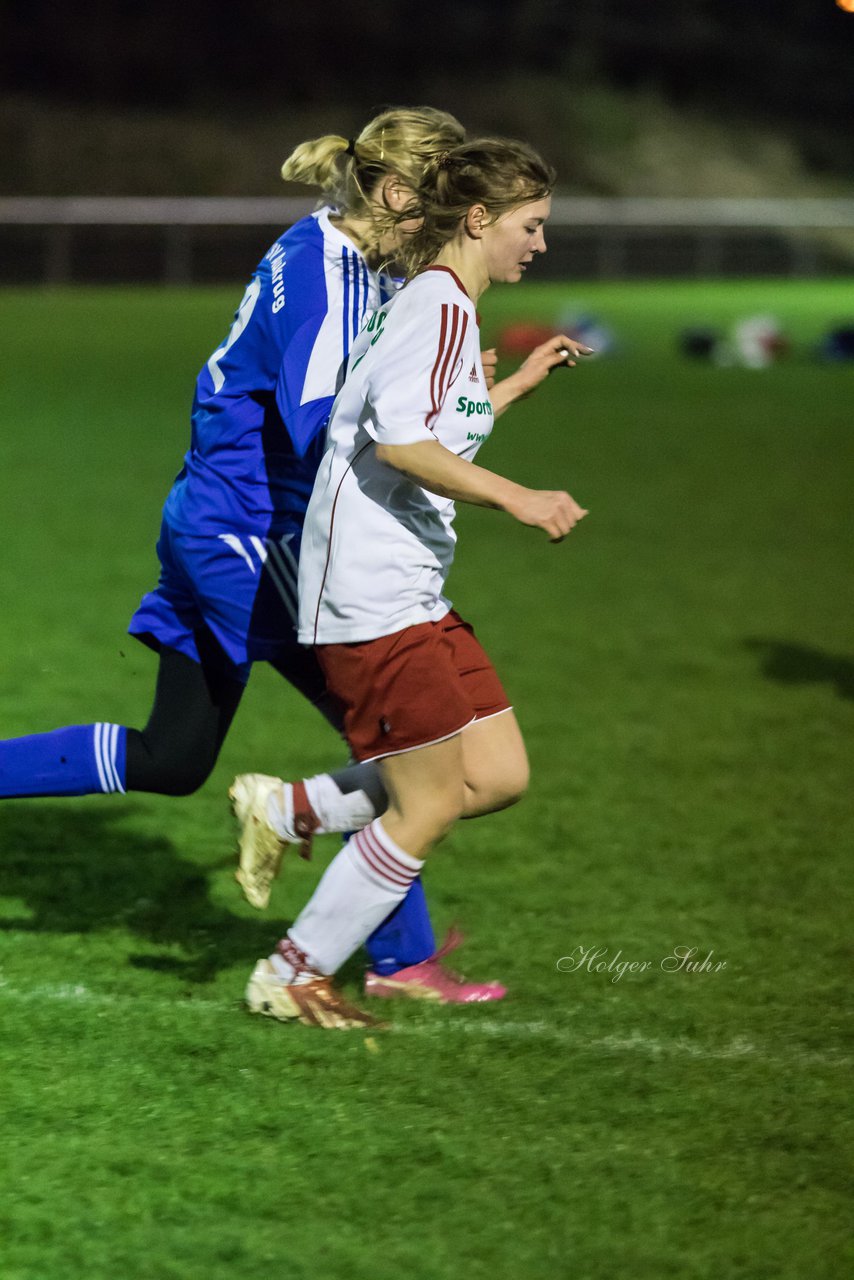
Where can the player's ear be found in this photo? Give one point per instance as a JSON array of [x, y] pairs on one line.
[[395, 193], [476, 220]]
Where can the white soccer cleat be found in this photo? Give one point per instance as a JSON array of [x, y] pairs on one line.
[[261, 847], [314, 1001]]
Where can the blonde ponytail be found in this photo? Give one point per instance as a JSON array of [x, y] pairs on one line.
[[316, 163], [401, 140]]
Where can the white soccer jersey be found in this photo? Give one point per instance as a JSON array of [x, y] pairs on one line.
[[377, 547]]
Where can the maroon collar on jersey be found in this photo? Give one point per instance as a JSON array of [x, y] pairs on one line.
[[450, 272], [460, 284]]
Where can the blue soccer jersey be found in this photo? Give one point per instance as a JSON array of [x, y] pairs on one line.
[[232, 523], [263, 397]]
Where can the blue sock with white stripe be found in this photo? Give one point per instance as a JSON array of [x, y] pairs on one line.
[[81, 760], [405, 937]]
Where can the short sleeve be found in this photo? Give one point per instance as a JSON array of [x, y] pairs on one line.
[[417, 359]]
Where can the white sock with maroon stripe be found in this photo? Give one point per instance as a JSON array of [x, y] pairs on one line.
[[342, 801], [359, 888]]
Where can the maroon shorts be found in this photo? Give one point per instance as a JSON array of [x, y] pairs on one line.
[[410, 689]]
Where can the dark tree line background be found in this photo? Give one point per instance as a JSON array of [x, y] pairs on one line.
[[787, 63]]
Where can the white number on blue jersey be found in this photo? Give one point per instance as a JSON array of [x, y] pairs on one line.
[[241, 320]]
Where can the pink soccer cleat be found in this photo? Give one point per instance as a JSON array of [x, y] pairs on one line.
[[428, 980]]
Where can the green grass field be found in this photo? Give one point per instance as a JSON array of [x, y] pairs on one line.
[[683, 668]]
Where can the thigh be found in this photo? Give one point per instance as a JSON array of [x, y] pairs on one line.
[[400, 692], [495, 763], [194, 702], [425, 794], [194, 705]]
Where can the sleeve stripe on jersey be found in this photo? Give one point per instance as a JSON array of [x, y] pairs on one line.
[[366, 288], [442, 333], [455, 347], [362, 303], [450, 349], [356, 293], [354, 318], [345, 264]]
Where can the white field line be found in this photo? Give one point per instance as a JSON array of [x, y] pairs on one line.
[[455, 1021]]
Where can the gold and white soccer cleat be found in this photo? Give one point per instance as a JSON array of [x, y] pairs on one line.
[[261, 847], [312, 1001]]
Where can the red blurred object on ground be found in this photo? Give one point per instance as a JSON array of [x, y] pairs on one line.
[[521, 338]]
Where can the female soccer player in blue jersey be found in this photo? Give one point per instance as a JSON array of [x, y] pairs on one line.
[[230, 538], [232, 523]]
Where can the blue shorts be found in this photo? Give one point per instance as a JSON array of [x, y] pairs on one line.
[[241, 588]]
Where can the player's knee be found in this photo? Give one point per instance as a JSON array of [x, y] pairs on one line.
[[509, 785], [171, 779], [517, 781], [180, 780], [164, 770], [448, 809], [433, 812]]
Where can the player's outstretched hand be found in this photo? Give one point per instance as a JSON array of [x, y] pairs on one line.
[[557, 513], [557, 352]]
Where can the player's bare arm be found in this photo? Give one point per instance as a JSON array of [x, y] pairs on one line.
[[559, 351], [435, 468]]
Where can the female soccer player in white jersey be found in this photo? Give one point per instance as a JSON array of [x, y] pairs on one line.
[[230, 538], [422, 698]]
